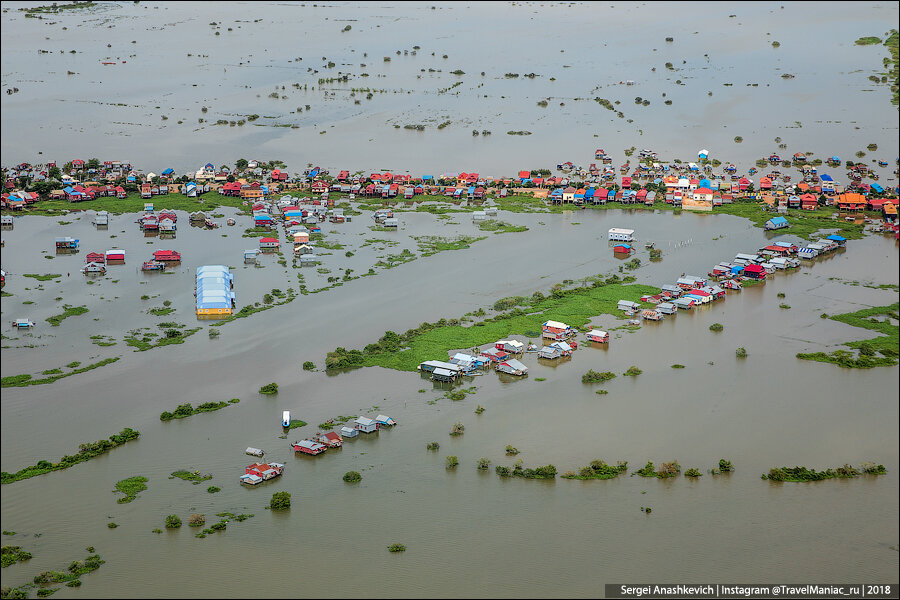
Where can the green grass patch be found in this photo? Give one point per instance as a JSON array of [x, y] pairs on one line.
[[802, 223], [500, 226], [161, 311], [44, 277], [70, 577], [131, 487], [194, 477], [295, 423], [430, 244], [71, 311], [147, 341], [888, 345], [868, 41], [186, 410], [405, 352], [23, 380], [133, 203], [85, 453]]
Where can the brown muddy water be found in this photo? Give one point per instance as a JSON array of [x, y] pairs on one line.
[[725, 79], [467, 532]]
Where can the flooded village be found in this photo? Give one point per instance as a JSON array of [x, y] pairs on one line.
[[663, 342]]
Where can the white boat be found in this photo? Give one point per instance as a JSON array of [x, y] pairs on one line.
[[23, 323], [286, 418]]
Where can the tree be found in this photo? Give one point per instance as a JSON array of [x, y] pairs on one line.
[[54, 173], [93, 163], [241, 164], [173, 522], [280, 501]]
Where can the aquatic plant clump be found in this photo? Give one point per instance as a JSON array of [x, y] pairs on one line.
[[186, 410], [632, 371], [396, 547], [352, 477], [593, 376], [545, 472], [193, 476], [598, 469], [693, 472], [798, 474], [280, 501], [457, 429], [10, 555], [173, 522], [452, 461], [131, 487], [85, 452], [269, 389]]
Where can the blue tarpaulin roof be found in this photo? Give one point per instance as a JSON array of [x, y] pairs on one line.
[[826, 177], [877, 187], [168, 171], [836, 238]]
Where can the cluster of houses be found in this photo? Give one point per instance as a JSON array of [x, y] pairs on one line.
[[162, 222], [687, 292], [161, 259], [95, 262], [322, 441]]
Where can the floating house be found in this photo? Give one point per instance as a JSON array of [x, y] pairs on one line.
[[510, 346], [684, 303], [153, 265], [93, 267], [365, 424], [332, 439], [66, 243], [384, 420], [429, 366], [254, 451], [755, 272], [666, 308], [250, 255], [512, 366], [215, 295], [674, 291], [349, 432], [776, 223], [495, 355], [96, 257], [310, 447], [6, 220], [268, 243], [621, 235], [167, 256], [628, 305], [23, 324], [115, 255], [101, 218], [555, 330], [259, 472], [652, 315], [623, 249], [391, 222], [550, 352], [599, 336]]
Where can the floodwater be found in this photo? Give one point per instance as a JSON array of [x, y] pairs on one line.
[[467, 532], [175, 59]]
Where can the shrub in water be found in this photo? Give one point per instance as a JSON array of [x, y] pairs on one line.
[[352, 476], [173, 522], [280, 501]]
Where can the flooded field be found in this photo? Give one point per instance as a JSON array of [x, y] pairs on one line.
[[766, 410], [467, 532], [344, 99]]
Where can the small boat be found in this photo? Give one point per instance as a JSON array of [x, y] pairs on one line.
[[210, 224], [648, 245], [153, 265], [230, 221], [23, 323], [634, 322], [752, 171], [286, 418]]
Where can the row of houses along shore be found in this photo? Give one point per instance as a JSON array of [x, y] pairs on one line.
[[692, 186], [559, 340]]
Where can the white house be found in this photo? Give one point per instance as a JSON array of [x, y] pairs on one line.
[[365, 424], [621, 235]]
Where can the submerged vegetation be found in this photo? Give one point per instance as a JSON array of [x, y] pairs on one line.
[[194, 477], [70, 311], [10, 555], [593, 376], [799, 474], [186, 410], [545, 472], [25, 380], [70, 577], [131, 487], [665, 470], [888, 345], [598, 469], [85, 452]]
